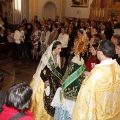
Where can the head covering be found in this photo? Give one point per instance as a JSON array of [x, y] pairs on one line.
[[84, 33], [42, 64], [80, 45]]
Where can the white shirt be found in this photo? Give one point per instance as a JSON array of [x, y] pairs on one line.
[[64, 40], [102, 31], [19, 36]]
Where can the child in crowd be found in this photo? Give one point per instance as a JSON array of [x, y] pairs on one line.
[[10, 36], [92, 59]]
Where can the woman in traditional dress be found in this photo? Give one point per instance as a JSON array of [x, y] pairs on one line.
[[66, 95], [45, 82]]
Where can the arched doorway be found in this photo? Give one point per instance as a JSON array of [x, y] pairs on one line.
[[49, 11]]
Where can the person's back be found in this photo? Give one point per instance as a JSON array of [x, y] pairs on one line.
[[103, 88], [17, 101], [9, 112], [98, 98], [106, 89]]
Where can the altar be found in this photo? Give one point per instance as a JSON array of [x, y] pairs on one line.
[[104, 10]]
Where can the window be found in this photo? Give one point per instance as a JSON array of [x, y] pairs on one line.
[[18, 5]]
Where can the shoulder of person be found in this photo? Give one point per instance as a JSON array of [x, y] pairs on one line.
[[48, 32], [12, 34], [66, 35], [39, 30], [27, 118], [17, 31], [42, 32], [39, 33]]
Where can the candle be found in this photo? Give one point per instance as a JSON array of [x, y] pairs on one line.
[[99, 12], [103, 12]]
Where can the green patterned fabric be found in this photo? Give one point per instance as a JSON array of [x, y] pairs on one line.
[[53, 67], [72, 80]]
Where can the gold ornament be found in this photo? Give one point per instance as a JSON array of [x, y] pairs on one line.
[[80, 45]]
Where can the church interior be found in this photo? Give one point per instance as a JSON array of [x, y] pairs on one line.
[[17, 10], [16, 66]]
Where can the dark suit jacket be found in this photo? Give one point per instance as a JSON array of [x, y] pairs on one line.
[[108, 32], [3, 39]]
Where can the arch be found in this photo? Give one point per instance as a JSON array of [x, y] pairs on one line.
[[49, 10]]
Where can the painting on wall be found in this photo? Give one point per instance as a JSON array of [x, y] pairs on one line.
[[79, 3]]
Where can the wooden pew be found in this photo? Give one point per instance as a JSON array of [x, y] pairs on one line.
[[7, 46]]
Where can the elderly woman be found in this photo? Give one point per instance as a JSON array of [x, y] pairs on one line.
[[17, 103], [44, 39], [35, 40]]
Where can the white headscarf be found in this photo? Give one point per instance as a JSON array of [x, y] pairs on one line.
[[42, 64], [84, 33]]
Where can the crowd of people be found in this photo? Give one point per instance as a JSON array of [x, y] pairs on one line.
[[78, 76], [32, 39]]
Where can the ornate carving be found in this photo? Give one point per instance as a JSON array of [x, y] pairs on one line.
[[93, 4], [101, 9]]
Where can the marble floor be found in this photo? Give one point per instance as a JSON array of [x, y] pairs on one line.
[[15, 71]]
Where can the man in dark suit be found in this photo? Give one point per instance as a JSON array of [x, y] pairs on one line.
[[3, 37]]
